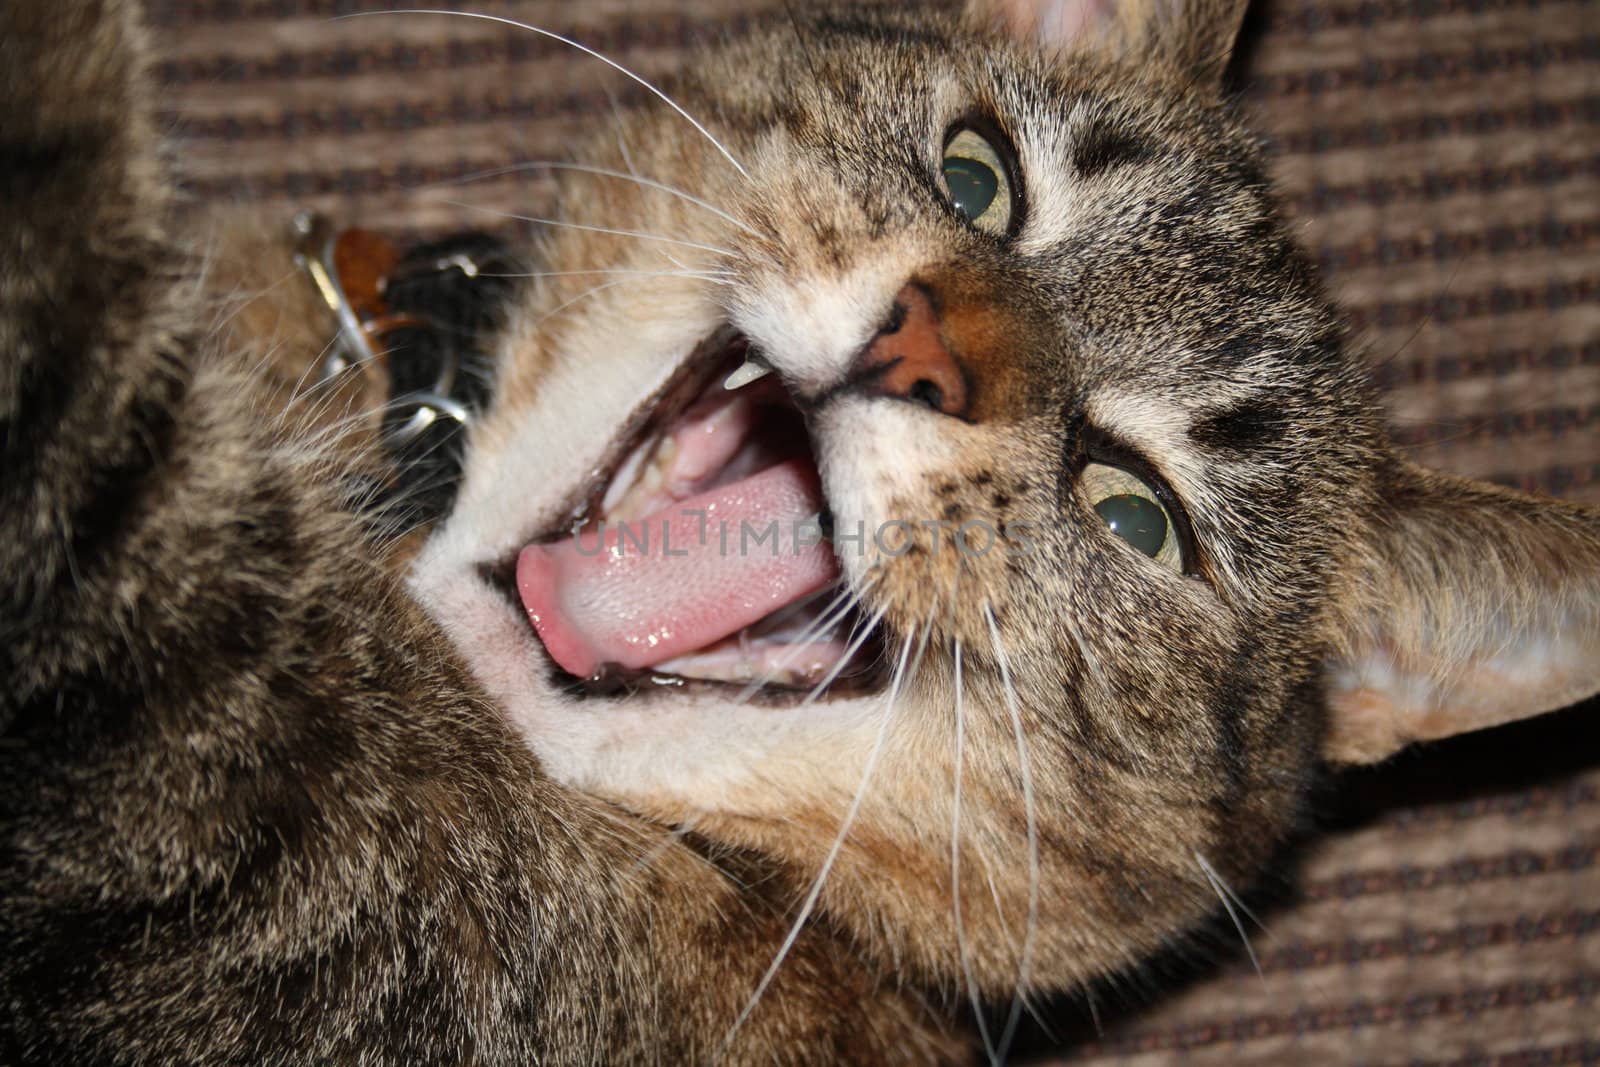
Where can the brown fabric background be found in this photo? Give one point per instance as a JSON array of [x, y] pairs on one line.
[[1443, 157]]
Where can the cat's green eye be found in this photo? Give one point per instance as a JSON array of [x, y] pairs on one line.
[[977, 181], [1134, 512]]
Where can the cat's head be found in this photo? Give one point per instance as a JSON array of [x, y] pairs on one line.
[[1119, 550]]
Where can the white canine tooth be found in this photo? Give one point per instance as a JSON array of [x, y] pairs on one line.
[[747, 372], [626, 477]]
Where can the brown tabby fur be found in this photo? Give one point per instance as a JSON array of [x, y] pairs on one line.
[[255, 808]]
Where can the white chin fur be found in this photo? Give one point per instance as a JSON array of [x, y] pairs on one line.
[[667, 751]]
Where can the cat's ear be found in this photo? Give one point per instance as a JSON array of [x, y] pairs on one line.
[[1192, 39], [1473, 606]]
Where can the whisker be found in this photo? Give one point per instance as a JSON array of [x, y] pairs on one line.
[[669, 839], [317, 397], [617, 124], [1094, 1010], [810, 902], [867, 627], [999, 904], [1228, 899], [836, 610], [334, 434], [1025, 772], [927, 638], [239, 301], [591, 291], [607, 172], [962, 948], [709, 274], [586, 50], [561, 224], [301, 390]]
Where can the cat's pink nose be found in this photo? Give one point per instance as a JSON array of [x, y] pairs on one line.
[[909, 360]]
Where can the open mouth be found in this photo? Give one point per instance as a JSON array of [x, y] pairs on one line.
[[698, 556]]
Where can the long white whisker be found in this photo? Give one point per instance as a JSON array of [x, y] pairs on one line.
[[1025, 772], [927, 639], [561, 224], [616, 122], [1227, 897], [830, 616], [320, 438], [591, 291], [313, 403], [849, 653], [962, 947], [708, 274], [607, 172], [810, 902], [586, 50]]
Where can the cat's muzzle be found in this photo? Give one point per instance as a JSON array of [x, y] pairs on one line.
[[699, 553]]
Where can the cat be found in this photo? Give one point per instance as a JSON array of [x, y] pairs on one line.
[[1120, 555]]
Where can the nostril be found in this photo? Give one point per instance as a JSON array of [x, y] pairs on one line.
[[896, 319], [926, 392], [909, 359]]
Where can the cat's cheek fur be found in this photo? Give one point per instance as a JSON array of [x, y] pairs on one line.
[[582, 376]]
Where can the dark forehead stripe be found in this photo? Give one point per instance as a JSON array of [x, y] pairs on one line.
[[1239, 429], [1101, 144], [1230, 705], [866, 27]]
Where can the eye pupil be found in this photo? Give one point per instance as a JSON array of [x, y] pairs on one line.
[[973, 185], [1138, 521]]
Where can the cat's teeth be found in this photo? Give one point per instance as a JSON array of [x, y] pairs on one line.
[[747, 372], [626, 478]]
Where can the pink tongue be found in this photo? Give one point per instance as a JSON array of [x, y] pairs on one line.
[[676, 581]]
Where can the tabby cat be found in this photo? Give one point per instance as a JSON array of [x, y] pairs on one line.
[[938, 553]]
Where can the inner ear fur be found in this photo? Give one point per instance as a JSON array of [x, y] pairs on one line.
[[1471, 606], [1189, 41]]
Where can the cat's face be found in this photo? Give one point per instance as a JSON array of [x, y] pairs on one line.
[[1077, 414]]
